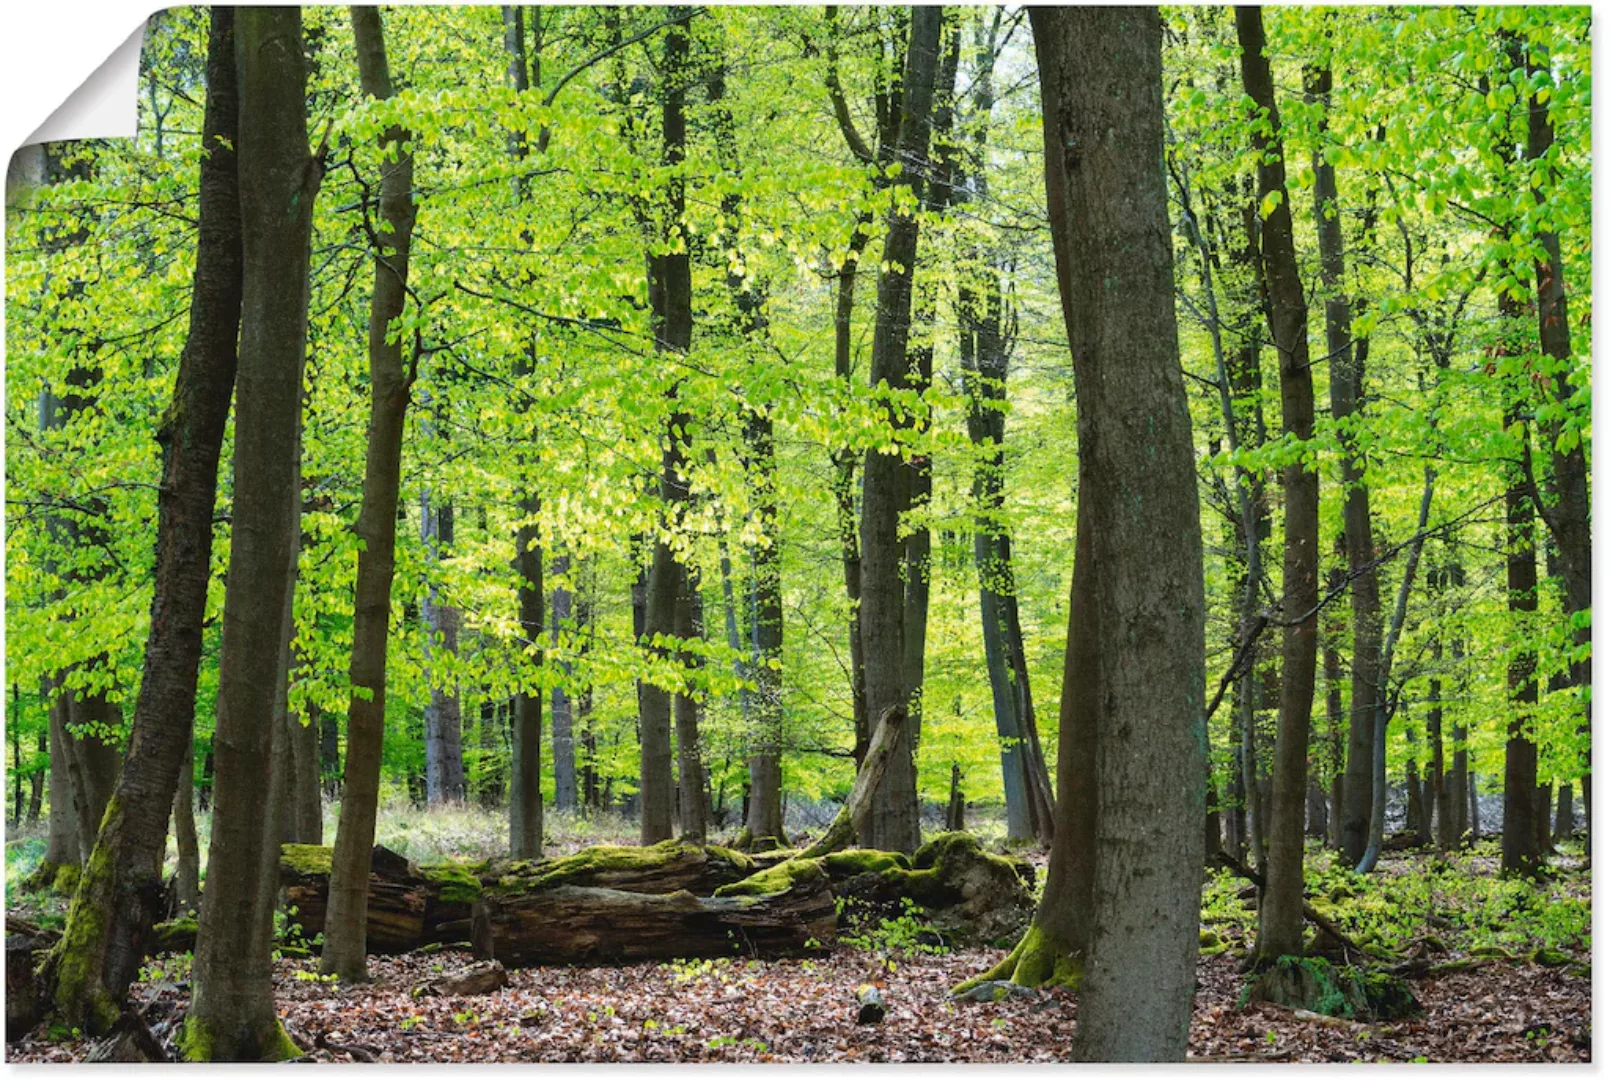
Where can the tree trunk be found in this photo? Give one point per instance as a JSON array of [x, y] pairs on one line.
[[693, 808], [1346, 395], [120, 894], [525, 716], [765, 813], [390, 384], [1133, 724], [61, 842], [1520, 852], [444, 753], [187, 872], [671, 296], [1564, 813], [306, 811], [231, 1016], [1567, 509], [956, 810], [1280, 908], [564, 738], [886, 478]]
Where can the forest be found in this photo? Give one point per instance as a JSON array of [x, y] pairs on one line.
[[793, 533]]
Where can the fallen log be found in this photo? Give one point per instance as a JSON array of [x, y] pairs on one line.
[[398, 896], [471, 982], [573, 924]]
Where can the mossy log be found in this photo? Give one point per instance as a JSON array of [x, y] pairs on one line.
[[575, 924], [409, 905], [667, 867]]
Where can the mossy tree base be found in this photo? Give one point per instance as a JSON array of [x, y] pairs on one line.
[[1039, 960], [1317, 985], [201, 1041]]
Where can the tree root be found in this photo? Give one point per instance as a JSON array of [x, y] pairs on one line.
[[1037, 960]]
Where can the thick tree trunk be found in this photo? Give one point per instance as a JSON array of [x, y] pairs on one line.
[[1280, 908], [231, 1016], [390, 384], [1567, 509], [1133, 725], [886, 478]]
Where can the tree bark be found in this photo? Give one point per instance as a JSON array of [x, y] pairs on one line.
[[886, 478], [231, 1016], [390, 385], [1520, 851], [187, 871]]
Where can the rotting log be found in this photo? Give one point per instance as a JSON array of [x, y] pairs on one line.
[[398, 896], [572, 924]]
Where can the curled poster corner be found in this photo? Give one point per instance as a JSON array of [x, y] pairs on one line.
[[104, 105]]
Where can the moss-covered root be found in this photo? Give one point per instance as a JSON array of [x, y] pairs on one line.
[[1315, 984], [200, 1041], [1038, 960]]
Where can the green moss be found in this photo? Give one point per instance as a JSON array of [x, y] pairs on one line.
[[852, 861], [175, 935], [942, 847], [74, 963], [305, 860], [197, 1043], [1314, 983], [736, 859], [1038, 960], [776, 879], [456, 883], [1547, 957], [66, 879], [589, 863]]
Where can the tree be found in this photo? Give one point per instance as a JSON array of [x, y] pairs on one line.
[[390, 383], [231, 1016], [1119, 914], [1280, 919], [119, 896], [886, 481]]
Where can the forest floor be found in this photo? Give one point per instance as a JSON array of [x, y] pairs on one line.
[[1527, 996]]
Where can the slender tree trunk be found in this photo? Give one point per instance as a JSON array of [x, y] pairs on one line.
[[671, 293], [693, 805], [1564, 812], [886, 478], [564, 738], [1280, 909], [444, 751], [390, 385], [1133, 728], [1520, 851], [525, 786], [61, 841], [120, 895], [36, 780], [765, 812], [231, 1016], [187, 871], [1346, 394]]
